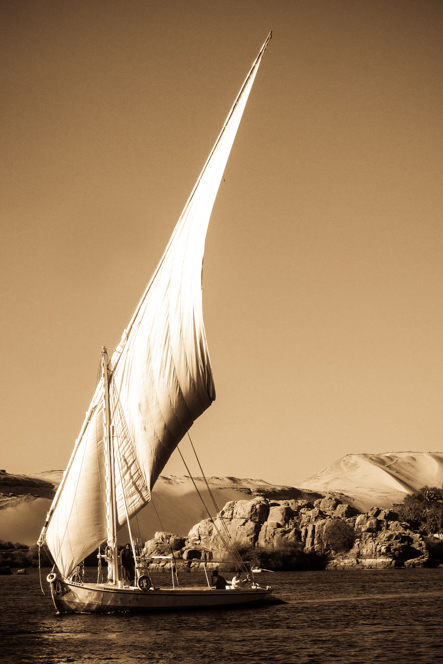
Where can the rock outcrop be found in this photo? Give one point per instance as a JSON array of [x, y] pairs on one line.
[[327, 526]]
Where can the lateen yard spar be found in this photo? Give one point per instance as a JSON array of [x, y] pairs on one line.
[[152, 389]]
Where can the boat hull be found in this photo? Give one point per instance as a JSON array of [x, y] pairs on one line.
[[71, 597]]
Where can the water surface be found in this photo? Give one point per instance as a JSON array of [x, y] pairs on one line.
[[345, 617]]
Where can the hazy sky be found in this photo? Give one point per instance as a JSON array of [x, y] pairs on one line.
[[323, 277]]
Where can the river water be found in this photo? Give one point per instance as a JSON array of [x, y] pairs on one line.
[[340, 617]]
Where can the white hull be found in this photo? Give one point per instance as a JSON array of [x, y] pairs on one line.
[[71, 597]]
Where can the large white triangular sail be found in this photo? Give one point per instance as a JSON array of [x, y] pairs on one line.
[[160, 378]]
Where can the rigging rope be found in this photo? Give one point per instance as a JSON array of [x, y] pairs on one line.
[[40, 571], [227, 540], [203, 475], [173, 558], [117, 456]]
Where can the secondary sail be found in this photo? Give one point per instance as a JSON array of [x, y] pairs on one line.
[[160, 377]]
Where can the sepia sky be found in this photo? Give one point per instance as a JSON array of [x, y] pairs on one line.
[[323, 274]]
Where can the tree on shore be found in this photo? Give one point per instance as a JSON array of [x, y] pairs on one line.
[[15, 554], [423, 510], [339, 536]]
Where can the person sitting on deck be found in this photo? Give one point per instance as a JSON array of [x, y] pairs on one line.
[[218, 580], [237, 580]]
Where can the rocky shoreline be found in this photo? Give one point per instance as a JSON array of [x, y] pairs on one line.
[[273, 526], [327, 527]]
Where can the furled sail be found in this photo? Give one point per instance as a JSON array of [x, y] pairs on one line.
[[160, 378]]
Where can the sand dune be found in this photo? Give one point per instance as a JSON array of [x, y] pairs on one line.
[[378, 479]]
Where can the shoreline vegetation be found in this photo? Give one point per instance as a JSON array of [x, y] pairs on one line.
[[324, 535]]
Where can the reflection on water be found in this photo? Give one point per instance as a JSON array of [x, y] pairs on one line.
[[356, 617]]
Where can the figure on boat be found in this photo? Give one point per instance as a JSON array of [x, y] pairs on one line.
[[218, 580], [238, 579], [128, 564]]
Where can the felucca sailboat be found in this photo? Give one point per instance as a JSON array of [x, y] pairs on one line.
[[153, 387]]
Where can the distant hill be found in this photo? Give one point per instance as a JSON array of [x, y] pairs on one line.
[[367, 480], [362, 480], [175, 506]]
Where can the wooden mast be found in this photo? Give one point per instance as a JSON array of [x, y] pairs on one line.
[[110, 477]]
